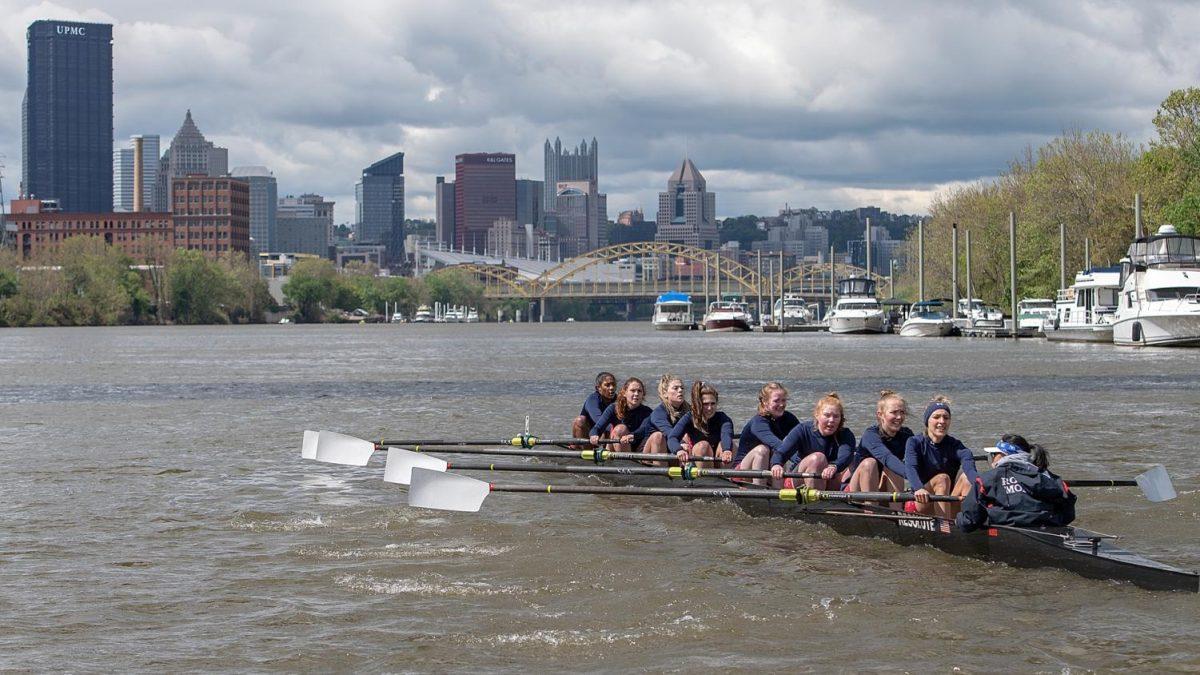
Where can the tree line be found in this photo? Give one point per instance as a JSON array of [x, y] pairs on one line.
[[316, 289], [1084, 180]]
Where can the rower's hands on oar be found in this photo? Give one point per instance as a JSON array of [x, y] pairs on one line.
[[922, 496], [726, 456], [777, 472], [682, 456], [594, 439], [627, 438], [828, 472]]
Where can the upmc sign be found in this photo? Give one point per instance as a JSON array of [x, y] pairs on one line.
[[80, 31]]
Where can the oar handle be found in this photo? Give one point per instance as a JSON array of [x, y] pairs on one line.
[[688, 472], [799, 496], [1099, 482], [517, 441]]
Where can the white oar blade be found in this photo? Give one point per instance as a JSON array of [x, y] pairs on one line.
[[309, 449], [1156, 484], [446, 491], [336, 448], [401, 462]]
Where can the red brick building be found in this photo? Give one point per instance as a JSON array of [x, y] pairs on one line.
[[212, 214], [42, 228]]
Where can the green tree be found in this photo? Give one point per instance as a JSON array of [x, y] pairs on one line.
[[249, 299], [200, 290], [453, 286], [743, 229], [311, 287]]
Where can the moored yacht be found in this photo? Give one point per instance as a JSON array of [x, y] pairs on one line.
[[791, 310], [928, 318], [673, 311], [1159, 303], [727, 316], [857, 309], [1084, 312], [980, 315], [424, 315], [1032, 314]]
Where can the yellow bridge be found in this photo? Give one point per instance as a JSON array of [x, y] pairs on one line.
[[647, 269]]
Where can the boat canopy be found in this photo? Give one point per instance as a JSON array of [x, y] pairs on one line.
[[856, 286], [674, 296], [1167, 247]]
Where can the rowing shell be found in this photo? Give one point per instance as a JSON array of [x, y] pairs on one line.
[[1086, 553]]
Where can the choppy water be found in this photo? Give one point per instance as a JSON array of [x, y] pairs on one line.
[[157, 515]]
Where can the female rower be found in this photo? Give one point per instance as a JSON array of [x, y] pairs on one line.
[[933, 459], [765, 431], [881, 448], [665, 417], [1019, 490], [704, 431], [594, 405], [625, 416], [822, 445]]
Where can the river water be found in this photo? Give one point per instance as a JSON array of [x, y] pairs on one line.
[[157, 514]]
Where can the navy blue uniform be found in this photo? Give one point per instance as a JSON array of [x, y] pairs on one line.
[[593, 408], [924, 459], [720, 430], [635, 419], [805, 439], [889, 452], [1017, 493], [764, 430], [659, 420]]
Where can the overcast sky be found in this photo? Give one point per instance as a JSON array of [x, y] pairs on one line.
[[828, 104]]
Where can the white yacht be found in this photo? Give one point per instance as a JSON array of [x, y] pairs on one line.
[[927, 319], [791, 310], [980, 315], [1159, 303], [1084, 312], [454, 315], [424, 315], [1032, 314], [726, 316], [472, 315], [857, 309], [673, 311]]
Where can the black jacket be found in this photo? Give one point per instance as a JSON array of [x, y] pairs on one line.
[[1017, 493]]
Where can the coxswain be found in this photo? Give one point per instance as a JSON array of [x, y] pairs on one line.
[[625, 418], [704, 431], [932, 461], [765, 430], [881, 449], [672, 408], [1019, 490], [822, 445], [594, 405]]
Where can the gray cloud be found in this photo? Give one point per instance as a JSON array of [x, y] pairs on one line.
[[825, 103]]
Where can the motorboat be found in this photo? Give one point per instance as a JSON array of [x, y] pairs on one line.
[[673, 311], [1159, 302], [857, 309], [397, 317], [928, 318], [424, 315], [979, 315], [791, 310], [472, 315], [454, 315], [726, 316], [1085, 311], [1032, 314]]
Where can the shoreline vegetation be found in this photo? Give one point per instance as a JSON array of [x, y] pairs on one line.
[[1083, 180]]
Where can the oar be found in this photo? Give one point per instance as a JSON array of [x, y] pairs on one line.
[[1155, 483], [401, 462], [335, 448], [450, 492]]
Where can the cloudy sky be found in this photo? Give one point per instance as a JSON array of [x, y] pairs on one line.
[[829, 104]]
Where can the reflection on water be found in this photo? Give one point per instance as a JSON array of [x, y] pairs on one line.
[[158, 515]]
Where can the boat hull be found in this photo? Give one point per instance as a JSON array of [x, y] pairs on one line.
[[1079, 334], [849, 325], [1158, 330], [926, 328], [726, 326], [674, 325]]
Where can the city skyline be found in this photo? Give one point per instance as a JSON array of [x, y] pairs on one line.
[[831, 105]]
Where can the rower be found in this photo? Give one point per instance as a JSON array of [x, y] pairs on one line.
[[881, 448], [932, 458], [821, 445], [1019, 490], [664, 418], [594, 405], [704, 431], [764, 432], [624, 418]]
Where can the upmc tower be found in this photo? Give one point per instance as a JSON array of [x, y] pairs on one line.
[[485, 190], [67, 115]]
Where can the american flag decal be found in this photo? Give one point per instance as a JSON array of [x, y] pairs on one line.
[[944, 526]]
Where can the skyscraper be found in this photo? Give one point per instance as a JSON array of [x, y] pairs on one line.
[[485, 190], [264, 203], [687, 210], [580, 163], [529, 202], [67, 115], [190, 154], [123, 174], [444, 205], [380, 206]]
